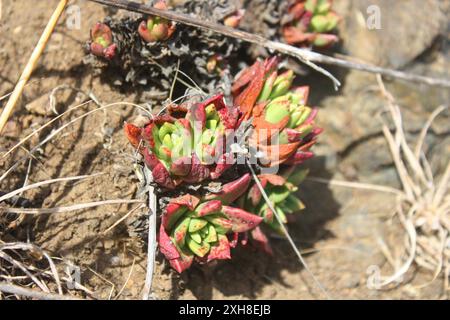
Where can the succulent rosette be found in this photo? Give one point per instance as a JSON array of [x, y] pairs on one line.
[[195, 229], [284, 125], [234, 19], [102, 41], [311, 23], [280, 190], [186, 149], [155, 28]]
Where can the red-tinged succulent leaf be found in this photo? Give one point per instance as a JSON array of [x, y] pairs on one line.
[[244, 78], [183, 262], [199, 171], [133, 134], [293, 35], [261, 240], [162, 177], [180, 231], [232, 190], [148, 133], [181, 167], [268, 215], [297, 10], [197, 117], [172, 214], [273, 179], [304, 92], [210, 207], [160, 174], [150, 159], [264, 129], [221, 224], [242, 220], [293, 135], [254, 192], [299, 157], [229, 117], [225, 162], [270, 64], [221, 251], [306, 18], [317, 131], [208, 152], [312, 116], [110, 52], [247, 99], [97, 49], [305, 147], [216, 100], [277, 154], [166, 245], [325, 40], [177, 207], [235, 240], [190, 201]]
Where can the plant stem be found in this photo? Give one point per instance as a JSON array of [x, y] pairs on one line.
[[31, 64]]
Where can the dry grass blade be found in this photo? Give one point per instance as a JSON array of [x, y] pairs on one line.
[[21, 142], [57, 131], [33, 294], [424, 208], [35, 249], [425, 129], [151, 245], [123, 218], [356, 185], [31, 64], [44, 183], [76, 207], [19, 265]]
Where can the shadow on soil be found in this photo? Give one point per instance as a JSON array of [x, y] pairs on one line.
[[251, 270]]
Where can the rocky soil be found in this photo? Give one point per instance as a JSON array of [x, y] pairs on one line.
[[341, 227]]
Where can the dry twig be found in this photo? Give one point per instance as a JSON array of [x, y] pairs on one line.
[[31, 64], [306, 56]]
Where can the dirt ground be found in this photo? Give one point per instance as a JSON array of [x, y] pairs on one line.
[[339, 231]]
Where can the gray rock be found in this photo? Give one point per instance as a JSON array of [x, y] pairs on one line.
[[408, 28]]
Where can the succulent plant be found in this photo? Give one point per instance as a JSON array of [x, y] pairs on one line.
[[151, 51], [233, 20], [102, 41], [186, 149], [280, 190], [311, 23], [156, 28], [195, 228], [284, 125]]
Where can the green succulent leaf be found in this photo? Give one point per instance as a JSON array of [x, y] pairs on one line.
[[212, 234], [221, 224], [196, 224], [196, 237], [199, 249], [180, 232], [278, 194]]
